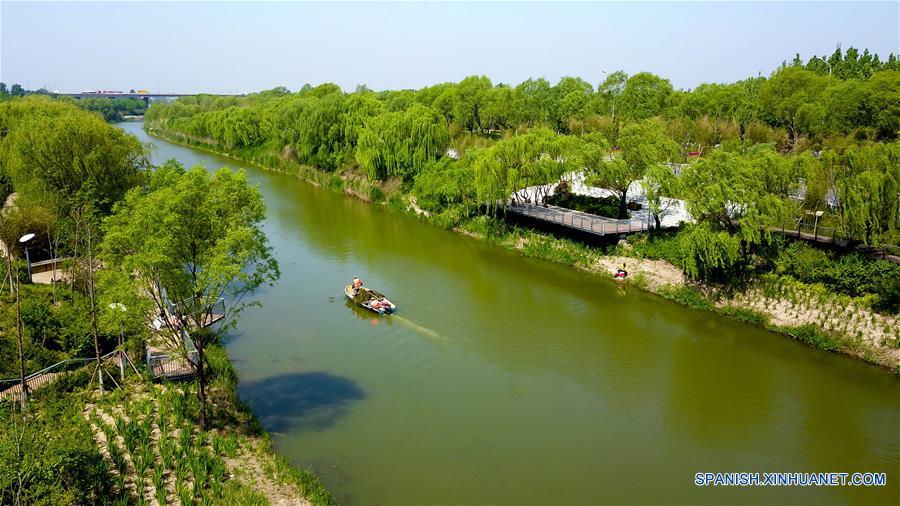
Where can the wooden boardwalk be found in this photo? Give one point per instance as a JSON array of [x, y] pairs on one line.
[[577, 220], [807, 233], [828, 237]]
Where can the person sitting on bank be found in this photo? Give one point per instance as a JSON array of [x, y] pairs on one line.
[[622, 272]]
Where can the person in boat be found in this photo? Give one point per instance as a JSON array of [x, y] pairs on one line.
[[357, 284], [622, 272]]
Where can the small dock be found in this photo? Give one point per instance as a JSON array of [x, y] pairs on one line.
[[167, 364]]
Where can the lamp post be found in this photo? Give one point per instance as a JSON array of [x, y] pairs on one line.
[[117, 306], [826, 63], [24, 240], [615, 94]]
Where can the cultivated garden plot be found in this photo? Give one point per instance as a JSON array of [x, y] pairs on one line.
[[157, 454]]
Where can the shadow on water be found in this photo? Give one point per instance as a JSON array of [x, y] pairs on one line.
[[305, 400]]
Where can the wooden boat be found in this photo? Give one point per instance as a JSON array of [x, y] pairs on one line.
[[371, 300]]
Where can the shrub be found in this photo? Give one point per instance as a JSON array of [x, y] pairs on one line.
[[851, 274], [376, 194], [608, 207]]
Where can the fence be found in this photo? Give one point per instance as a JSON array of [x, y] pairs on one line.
[[825, 235], [12, 387], [173, 365]]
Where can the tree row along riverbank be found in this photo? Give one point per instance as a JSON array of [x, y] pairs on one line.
[[805, 312]]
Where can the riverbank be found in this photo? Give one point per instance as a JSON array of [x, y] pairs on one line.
[[140, 442], [171, 457], [789, 308]]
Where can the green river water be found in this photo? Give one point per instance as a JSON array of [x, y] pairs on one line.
[[508, 380]]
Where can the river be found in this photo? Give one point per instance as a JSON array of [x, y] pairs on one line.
[[508, 380]]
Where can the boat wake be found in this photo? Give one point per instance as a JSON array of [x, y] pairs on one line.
[[418, 328]]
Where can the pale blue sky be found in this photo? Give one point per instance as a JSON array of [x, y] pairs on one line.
[[241, 47]]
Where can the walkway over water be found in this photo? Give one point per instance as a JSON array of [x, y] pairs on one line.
[[585, 222]]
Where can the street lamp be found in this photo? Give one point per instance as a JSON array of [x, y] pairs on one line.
[[24, 239], [615, 94], [117, 306], [826, 63]]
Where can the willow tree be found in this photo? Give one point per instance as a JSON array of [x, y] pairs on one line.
[[867, 184], [523, 167], [644, 96], [187, 240], [788, 98], [659, 183], [402, 144], [727, 197], [643, 145]]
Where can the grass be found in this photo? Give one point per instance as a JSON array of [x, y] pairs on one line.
[[813, 336], [688, 296], [746, 315]]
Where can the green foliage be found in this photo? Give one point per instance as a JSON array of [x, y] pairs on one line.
[[746, 315], [846, 274], [401, 144], [645, 95], [54, 153], [643, 145], [52, 331], [539, 157], [788, 99], [446, 183], [661, 246], [113, 109], [608, 207], [194, 233], [806, 130], [727, 195], [868, 190], [688, 296], [196, 236], [54, 454], [850, 64], [708, 253]]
